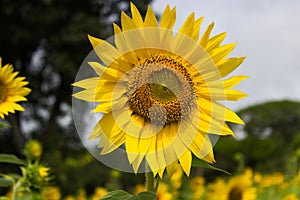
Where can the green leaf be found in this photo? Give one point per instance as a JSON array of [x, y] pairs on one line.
[[201, 163], [12, 176], [3, 125], [4, 198], [6, 182], [10, 158], [116, 195], [143, 196]]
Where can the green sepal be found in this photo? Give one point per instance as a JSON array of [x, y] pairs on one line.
[[143, 196], [116, 195], [6, 182], [10, 158], [196, 162]]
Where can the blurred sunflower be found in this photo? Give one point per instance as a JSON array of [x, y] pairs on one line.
[[274, 179], [197, 186], [217, 190], [99, 192], [237, 188], [51, 193], [163, 193], [33, 149], [291, 197], [12, 90], [160, 90], [240, 188]]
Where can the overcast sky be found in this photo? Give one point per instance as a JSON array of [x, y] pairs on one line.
[[267, 32]]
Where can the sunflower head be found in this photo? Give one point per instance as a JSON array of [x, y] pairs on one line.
[[236, 193], [12, 90], [33, 149], [160, 90], [241, 188]]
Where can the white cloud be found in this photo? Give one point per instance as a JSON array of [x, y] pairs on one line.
[[268, 32]]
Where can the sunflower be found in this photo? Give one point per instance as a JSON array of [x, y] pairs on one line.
[[12, 90], [197, 186], [160, 90], [237, 188], [240, 188]]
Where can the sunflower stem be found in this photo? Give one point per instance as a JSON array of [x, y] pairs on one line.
[[150, 182], [15, 190]]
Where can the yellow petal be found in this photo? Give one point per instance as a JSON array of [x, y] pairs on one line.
[[106, 107], [106, 72], [219, 111], [186, 162], [136, 16], [111, 133], [114, 144], [168, 18], [86, 95], [209, 157], [96, 132], [119, 39], [233, 81], [132, 147], [197, 25], [188, 26], [150, 19], [87, 83], [229, 65], [207, 124], [15, 98], [106, 52], [221, 52], [172, 168], [205, 37], [127, 22], [17, 107], [95, 41], [220, 94], [215, 41], [137, 162], [201, 146]]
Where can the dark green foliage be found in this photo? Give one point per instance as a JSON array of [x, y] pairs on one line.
[[279, 119], [122, 195], [271, 137]]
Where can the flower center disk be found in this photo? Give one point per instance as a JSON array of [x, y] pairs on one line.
[[161, 90]]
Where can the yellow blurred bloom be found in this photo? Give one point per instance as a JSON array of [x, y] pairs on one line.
[[163, 193], [81, 194], [139, 188], [33, 149], [99, 192], [43, 171], [291, 197], [159, 91], [238, 188], [274, 179], [216, 190], [257, 177], [176, 178], [51, 193], [69, 197], [198, 187], [12, 90]]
